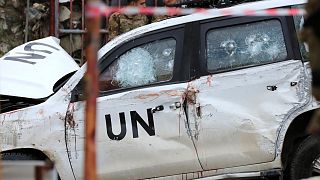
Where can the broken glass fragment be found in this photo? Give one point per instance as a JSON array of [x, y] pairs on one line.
[[135, 68]]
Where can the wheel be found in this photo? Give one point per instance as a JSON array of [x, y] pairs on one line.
[[25, 156], [306, 159]]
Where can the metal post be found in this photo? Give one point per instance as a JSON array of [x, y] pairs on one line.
[[1, 173], [38, 173], [70, 27], [27, 22], [92, 39], [52, 18], [0, 160], [56, 18], [82, 28]]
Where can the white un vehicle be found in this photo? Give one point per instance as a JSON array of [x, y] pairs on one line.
[[190, 97]]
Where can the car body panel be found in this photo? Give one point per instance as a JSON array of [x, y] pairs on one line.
[[169, 151], [38, 127], [32, 69], [239, 117], [183, 146]]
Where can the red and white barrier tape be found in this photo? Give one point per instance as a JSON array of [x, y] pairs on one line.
[[102, 9]]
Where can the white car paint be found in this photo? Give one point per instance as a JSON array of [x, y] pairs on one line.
[[249, 111], [160, 153], [22, 75], [173, 142]]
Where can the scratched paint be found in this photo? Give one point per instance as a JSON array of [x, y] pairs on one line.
[[25, 125], [41, 126], [170, 143], [241, 118], [36, 128], [226, 123], [309, 104]]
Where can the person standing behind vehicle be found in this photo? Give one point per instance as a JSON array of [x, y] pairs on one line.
[[167, 3], [121, 23], [311, 35]]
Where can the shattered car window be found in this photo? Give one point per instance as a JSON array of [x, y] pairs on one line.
[[298, 22], [245, 45], [142, 65]]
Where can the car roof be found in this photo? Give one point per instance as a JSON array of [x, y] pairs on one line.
[[212, 13]]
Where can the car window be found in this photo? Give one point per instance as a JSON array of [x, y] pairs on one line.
[[298, 22], [146, 64], [245, 45]]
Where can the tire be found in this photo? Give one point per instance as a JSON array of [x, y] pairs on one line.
[[302, 164]]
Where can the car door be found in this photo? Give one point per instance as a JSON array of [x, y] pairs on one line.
[[250, 83], [141, 123]]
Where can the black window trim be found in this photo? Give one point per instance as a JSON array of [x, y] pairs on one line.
[[292, 26], [179, 67], [207, 25]]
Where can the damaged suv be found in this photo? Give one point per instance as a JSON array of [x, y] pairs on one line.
[[189, 97]]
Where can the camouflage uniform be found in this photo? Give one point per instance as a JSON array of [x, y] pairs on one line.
[[160, 18], [311, 35], [121, 23]]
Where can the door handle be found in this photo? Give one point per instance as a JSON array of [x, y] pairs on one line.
[[158, 108], [272, 88], [293, 83]]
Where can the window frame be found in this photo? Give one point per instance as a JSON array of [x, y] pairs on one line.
[[176, 33], [292, 23], [225, 22]]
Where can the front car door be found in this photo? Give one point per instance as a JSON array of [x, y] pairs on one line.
[[142, 129], [250, 83]]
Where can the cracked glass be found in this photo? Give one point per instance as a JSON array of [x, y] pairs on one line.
[[146, 64], [245, 45]]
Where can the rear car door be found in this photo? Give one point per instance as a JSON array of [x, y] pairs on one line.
[[250, 83], [141, 123]]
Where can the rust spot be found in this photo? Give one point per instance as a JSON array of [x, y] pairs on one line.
[[69, 116], [209, 80], [60, 116], [70, 119], [191, 95], [145, 96], [172, 92], [40, 112]]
